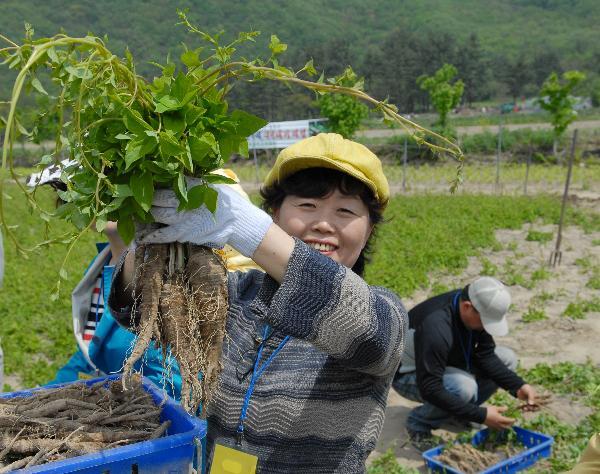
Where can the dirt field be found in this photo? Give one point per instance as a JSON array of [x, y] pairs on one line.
[[553, 340]]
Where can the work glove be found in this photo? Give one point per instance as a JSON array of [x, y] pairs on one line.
[[236, 222]]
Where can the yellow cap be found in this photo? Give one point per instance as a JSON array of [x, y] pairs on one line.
[[330, 150]]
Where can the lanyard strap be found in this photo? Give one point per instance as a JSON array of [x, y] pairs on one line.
[[466, 352], [257, 371]]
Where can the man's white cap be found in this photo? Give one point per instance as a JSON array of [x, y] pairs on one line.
[[491, 299], [49, 174]]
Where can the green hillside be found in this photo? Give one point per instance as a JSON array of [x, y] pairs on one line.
[[375, 36]]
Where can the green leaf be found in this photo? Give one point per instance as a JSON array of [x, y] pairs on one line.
[[243, 149], [167, 103], [196, 196], [142, 186], [200, 147], [218, 179], [174, 123], [135, 123], [181, 186], [62, 273], [52, 55], [169, 146], [126, 227], [138, 148], [79, 72], [100, 223], [37, 85], [247, 124], [229, 144], [169, 70], [193, 114], [181, 87], [276, 46], [210, 199], [191, 58], [123, 136]]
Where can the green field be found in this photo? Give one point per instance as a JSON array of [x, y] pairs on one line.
[[423, 235], [586, 175]]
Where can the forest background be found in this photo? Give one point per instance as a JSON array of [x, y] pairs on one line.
[[503, 49]]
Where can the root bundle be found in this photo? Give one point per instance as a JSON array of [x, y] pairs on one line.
[[182, 294], [77, 419]]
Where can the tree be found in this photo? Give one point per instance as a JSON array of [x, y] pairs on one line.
[[473, 70], [555, 97], [516, 74], [344, 114], [444, 96]]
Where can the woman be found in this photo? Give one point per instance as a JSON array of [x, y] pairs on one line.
[[311, 347]]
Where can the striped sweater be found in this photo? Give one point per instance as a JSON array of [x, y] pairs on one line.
[[319, 407]]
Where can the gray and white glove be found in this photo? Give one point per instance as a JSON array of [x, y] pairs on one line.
[[236, 222]]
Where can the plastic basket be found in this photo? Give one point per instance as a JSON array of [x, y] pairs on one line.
[[537, 446], [175, 453]]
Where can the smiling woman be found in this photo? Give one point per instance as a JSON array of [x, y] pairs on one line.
[[311, 348]]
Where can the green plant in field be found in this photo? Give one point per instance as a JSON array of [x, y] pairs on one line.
[[513, 275], [585, 263], [555, 97], [567, 378], [538, 236], [594, 281], [426, 234], [581, 380], [126, 136], [543, 297], [579, 308], [387, 464], [443, 94], [344, 113], [540, 274], [516, 141], [596, 242], [569, 440], [534, 314], [438, 288], [487, 267]]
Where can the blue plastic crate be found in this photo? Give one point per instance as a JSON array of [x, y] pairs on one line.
[[537, 446], [175, 453]]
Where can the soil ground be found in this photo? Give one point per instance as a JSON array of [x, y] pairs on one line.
[[553, 340]]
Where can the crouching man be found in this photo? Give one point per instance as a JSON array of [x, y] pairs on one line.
[[452, 364]]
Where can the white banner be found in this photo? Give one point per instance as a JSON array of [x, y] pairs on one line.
[[283, 134]]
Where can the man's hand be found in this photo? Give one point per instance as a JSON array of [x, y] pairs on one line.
[[527, 394], [496, 420]]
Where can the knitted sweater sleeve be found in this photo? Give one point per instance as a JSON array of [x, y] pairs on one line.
[[362, 326]]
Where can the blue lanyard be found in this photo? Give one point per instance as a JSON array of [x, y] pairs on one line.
[[466, 352], [257, 371]]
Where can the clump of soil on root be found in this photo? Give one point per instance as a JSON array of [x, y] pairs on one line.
[[74, 420], [469, 459], [181, 290]]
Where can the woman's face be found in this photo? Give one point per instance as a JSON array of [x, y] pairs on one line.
[[336, 225]]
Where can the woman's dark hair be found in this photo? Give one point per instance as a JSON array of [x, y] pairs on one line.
[[318, 183]]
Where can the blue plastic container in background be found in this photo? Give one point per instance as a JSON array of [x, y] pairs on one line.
[[537, 445], [177, 452]]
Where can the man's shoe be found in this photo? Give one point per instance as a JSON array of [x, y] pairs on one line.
[[421, 440]]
